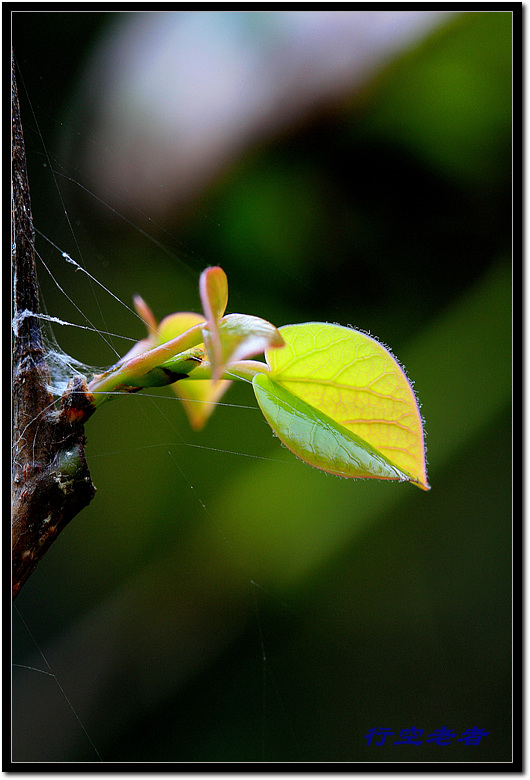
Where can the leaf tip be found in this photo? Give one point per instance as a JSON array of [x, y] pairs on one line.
[[419, 479]]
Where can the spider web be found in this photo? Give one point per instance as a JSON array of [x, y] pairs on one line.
[[46, 666]]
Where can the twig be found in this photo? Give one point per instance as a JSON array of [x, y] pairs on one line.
[[50, 477]]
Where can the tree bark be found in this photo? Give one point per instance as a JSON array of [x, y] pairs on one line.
[[50, 477]]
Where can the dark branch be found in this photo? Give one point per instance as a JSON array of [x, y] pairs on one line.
[[50, 477]]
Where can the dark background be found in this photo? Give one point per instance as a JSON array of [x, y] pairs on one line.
[[216, 607]]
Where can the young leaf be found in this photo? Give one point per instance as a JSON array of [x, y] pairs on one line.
[[175, 325], [243, 336], [235, 336], [198, 397], [240, 336], [351, 381], [213, 289], [185, 342], [146, 314]]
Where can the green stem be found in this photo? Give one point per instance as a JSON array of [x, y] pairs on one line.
[[188, 365], [244, 370], [127, 374]]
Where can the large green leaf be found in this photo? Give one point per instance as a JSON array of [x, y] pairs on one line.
[[316, 438], [356, 398]]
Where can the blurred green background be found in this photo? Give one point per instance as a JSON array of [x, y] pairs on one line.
[[219, 601]]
